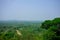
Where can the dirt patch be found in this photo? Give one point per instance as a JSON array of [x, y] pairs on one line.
[[18, 32]]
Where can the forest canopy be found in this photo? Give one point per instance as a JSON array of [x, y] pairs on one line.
[[47, 30]]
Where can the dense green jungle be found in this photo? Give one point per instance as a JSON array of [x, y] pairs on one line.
[[30, 30]]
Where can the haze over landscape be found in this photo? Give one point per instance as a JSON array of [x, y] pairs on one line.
[[29, 9], [29, 19]]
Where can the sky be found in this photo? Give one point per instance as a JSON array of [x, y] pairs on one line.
[[29, 10]]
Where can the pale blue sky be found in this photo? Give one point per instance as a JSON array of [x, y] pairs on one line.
[[29, 9]]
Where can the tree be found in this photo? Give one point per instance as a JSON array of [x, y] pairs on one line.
[[46, 24], [53, 29]]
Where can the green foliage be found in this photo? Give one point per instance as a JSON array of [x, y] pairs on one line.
[[46, 24], [29, 31], [52, 29], [48, 30], [56, 21]]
